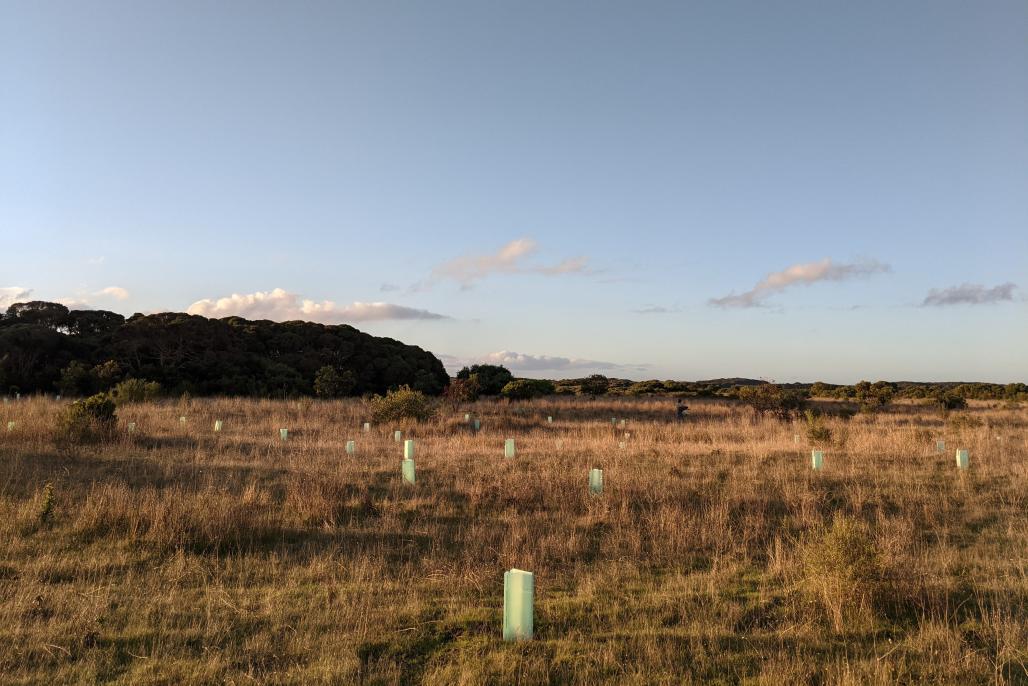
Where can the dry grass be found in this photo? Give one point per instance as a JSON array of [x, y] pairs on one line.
[[182, 556]]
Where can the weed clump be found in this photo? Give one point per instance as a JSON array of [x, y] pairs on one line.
[[135, 391], [403, 403], [842, 572], [87, 421], [46, 506], [961, 422]]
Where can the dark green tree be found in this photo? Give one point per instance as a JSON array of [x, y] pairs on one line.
[[491, 378], [330, 383]]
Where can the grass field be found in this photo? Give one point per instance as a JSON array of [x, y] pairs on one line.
[[715, 554]]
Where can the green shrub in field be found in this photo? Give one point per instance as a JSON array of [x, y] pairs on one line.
[[769, 398], [874, 396], [842, 572], [949, 401], [87, 421], [817, 432], [526, 389], [47, 504], [403, 403], [135, 391]]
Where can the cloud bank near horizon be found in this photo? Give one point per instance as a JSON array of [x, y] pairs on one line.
[[281, 305], [13, 294], [522, 363]]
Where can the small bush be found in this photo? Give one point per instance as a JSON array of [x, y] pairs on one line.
[[817, 432], [768, 398], [842, 572], [77, 379], [961, 422], [403, 403], [87, 421], [46, 506], [135, 391], [462, 391], [526, 389], [949, 402]]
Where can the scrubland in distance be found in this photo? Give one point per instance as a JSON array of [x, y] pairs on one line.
[[714, 555]]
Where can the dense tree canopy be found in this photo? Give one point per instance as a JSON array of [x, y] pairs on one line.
[[39, 342], [490, 378]]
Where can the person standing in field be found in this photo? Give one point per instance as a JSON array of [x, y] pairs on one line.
[[680, 410]]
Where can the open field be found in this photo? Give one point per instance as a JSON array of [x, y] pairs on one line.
[[715, 554]]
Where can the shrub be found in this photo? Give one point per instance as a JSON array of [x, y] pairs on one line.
[[960, 422], [135, 391], [47, 504], [87, 421], [769, 398], [526, 389], [948, 402], [462, 391], [594, 385], [330, 383], [817, 432], [842, 572], [403, 403], [873, 396], [106, 374], [77, 379]]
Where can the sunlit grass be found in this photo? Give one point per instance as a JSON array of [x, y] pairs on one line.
[[181, 555]]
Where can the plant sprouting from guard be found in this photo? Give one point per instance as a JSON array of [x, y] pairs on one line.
[[817, 433], [46, 507]]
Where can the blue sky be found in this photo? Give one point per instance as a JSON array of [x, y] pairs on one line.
[[793, 191]]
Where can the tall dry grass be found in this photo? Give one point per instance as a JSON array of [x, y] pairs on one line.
[[178, 555]]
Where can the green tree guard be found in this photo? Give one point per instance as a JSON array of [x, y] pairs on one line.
[[518, 605]]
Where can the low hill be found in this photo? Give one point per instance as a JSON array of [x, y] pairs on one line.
[[42, 343]]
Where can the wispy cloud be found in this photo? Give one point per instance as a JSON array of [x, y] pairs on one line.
[[655, 309], [116, 292], [521, 363], [510, 259], [13, 294], [800, 274], [969, 294], [280, 305], [387, 287]]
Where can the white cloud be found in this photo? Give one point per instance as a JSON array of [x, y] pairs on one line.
[[75, 304], [13, 294], [522, 364], [510, 259], [116, 292], [805, 274], [969, 294], [280, 305]]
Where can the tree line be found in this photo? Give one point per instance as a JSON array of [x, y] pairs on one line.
[[47, 348]]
